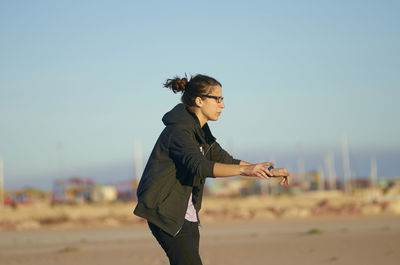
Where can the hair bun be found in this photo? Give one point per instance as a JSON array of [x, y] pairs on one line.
[[181, 84], [177, 84]]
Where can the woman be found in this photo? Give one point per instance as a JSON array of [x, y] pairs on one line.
[[171, 188]]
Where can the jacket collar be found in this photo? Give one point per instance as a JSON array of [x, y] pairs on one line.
[[203, 133], [182, 116]]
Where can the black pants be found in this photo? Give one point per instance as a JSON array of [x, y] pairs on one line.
[[183, 249]]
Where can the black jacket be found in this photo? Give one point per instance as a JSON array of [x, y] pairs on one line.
[[176, 168]]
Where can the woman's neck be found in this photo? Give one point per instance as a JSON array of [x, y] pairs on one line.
[[203, 120]]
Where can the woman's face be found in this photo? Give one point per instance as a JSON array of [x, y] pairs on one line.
[[210, 108]]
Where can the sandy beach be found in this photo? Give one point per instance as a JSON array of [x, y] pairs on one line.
[[323, 240]]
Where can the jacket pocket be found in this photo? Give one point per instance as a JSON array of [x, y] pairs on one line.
[[174, 206]]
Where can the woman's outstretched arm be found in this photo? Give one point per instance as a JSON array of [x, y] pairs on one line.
[[247, 169]]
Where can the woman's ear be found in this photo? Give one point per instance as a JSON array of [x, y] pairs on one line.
[[198, 101]]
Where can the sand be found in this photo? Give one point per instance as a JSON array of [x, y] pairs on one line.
[[319, 240], [251, 208]]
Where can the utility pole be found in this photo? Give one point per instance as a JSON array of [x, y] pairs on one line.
[[301, 167], [346, 165], [330, 169], [321, 179], [374, 172]]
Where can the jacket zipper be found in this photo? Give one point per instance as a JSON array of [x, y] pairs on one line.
[[178, 231], [209, 149], [197, 215], [198, 219]]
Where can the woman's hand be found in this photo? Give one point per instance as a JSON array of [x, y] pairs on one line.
[[281, 172], [257, 170]]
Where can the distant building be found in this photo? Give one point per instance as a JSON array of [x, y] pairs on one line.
[[101, 193], [72, 190], [126, 190], [25, 196]]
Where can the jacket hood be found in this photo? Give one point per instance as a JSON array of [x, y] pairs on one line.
[[180, 115]]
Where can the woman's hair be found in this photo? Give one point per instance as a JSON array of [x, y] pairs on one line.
[[197, 86]]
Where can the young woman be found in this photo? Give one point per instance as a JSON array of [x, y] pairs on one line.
[[185, 154]]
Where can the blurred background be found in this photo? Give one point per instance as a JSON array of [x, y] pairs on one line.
[[310, 85]]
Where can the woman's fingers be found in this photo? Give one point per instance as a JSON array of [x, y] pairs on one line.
[[261, 171], [280, 172], [285, 181], [282, 181], [261, 175], [266, 171], [263, 167]]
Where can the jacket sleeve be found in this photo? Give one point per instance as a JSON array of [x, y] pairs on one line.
[[218, 154], [185, 149]]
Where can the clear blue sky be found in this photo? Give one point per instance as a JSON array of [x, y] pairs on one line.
[[80, 81]]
